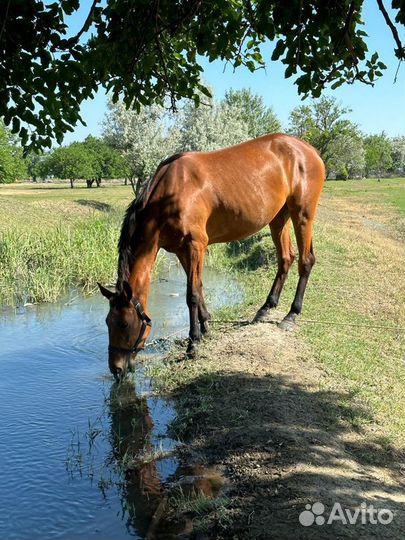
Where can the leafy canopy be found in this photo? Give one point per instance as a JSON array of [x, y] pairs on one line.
[[211, 126], [143, 138], [91, 159], [144, 51], [338, 140], [378, 153], [259, 118]]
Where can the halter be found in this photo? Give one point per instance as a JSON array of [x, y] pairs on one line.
[[145, 323]]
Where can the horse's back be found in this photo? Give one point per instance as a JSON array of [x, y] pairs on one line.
[[276, 161]]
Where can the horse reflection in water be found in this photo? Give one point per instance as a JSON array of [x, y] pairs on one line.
[[131, 427], [143, 491]]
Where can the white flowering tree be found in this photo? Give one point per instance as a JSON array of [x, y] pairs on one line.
[[260, 118], [144, 138], [211, 126]]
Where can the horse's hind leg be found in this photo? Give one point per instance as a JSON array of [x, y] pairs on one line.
[[302, 221], [280, 232]]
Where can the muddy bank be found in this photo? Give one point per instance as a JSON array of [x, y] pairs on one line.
[[256, 406]]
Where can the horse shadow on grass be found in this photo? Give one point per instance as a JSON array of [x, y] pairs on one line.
[[284, 447]]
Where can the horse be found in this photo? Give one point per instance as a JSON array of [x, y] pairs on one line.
[[200, 198]]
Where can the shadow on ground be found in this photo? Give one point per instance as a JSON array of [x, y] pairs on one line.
[[286, 443], [96, 205]]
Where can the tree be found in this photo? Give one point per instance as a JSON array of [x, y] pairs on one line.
[[398, 154], [145, 51], [144, 138], [12, 165], [337, 139], [90, 160], [69, 163], [32, 160], [40, 167], [106, 162], [378, 154], [211, 126], [259, 118], [348, 155]]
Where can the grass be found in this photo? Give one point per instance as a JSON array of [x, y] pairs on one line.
[[204, 509], [53, 237], [38, 266]]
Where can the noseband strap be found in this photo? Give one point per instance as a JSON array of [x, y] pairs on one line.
[[145, 323]]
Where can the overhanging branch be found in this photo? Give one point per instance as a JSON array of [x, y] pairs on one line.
[[401, 49]]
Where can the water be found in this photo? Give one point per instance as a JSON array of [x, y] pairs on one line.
[[63, 440]]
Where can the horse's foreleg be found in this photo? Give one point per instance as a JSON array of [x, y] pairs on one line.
[[192, 259], [280, 232], [303, 233], [203, 314]]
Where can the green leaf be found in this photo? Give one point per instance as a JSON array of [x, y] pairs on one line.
[[279, 50]]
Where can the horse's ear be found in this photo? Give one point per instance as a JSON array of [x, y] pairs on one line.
[[127, 290], [105, 292]]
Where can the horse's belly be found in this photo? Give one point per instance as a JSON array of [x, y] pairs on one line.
[[226, 226]]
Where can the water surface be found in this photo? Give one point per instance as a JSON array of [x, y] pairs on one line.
[[61, 440]]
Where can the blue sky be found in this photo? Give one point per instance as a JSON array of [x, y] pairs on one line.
[[374, 109]]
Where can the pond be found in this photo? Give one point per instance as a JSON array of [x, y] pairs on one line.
[[65, 432]]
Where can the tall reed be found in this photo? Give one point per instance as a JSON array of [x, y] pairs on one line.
[[40, 265]]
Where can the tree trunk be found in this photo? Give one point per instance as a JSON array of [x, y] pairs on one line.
[[131, 180], [71, 183]]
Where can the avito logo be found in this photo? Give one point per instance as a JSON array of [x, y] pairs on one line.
[[314, 514]]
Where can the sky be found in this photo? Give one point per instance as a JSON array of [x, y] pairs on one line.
[[374, 109]]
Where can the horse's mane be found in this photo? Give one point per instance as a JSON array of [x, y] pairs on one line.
[[126, 242]]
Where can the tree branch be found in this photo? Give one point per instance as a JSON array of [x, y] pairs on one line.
[[401, 49], [89, 19], [3, 26]]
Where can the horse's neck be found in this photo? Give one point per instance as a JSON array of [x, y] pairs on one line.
[[141, 272]]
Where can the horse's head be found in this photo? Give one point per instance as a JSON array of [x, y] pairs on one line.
[[128, 329]]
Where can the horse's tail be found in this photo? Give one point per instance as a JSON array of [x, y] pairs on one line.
[[126, 239]]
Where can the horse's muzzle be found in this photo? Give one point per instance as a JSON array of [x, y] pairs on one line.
[[118, 368], [118, 373]]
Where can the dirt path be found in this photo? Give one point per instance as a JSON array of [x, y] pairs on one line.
[[284, 441]]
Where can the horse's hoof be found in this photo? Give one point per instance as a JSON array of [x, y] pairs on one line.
[[260, 315], [287, 324], [191, 351], [205, 328]]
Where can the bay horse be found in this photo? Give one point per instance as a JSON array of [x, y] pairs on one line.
[[200, 198]]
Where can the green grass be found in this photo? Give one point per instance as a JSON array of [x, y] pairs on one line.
[[53, 237], [389, 191], [40, 206], [38, 266]]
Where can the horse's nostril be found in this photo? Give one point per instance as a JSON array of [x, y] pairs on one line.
[[117, 372]]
